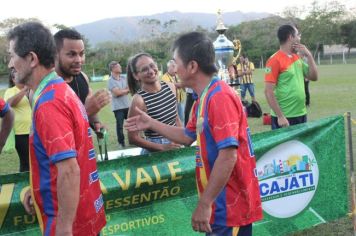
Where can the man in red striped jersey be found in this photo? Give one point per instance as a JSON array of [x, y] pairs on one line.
[[65, 191], [229, 198]]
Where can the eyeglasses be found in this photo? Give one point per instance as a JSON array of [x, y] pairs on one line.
[[145, 69]]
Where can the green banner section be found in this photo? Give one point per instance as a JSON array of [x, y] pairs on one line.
[[302, 176], [301, 170]]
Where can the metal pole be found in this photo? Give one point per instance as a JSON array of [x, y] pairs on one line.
[[352, 174]]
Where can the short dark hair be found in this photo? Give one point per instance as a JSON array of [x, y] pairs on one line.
[[198, 47], [284, 32], [34, 37], [66, 34]]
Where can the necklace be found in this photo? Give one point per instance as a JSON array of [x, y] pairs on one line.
[[76, 82], [73, 83]]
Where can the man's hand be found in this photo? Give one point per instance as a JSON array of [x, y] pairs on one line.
[[98, 126], [98, 100], [302, 49], [28, 203], [139, 122], [171, 146], [201, 218], [282, 121]]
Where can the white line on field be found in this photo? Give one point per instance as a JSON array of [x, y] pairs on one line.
[[317, 215], [261, 223]]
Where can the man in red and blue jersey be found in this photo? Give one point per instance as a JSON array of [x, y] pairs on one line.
[[229, 198], [284, 79], [65, 191], [7, 122]]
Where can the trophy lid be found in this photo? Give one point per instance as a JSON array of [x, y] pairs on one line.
[[220, 28]]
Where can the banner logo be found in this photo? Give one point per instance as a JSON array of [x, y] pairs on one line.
[[288, 177]]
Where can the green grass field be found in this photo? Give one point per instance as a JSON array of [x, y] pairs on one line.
[[333, 94]]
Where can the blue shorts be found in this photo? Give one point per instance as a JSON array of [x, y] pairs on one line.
[[219, 230], [155, 140], [250, 87]]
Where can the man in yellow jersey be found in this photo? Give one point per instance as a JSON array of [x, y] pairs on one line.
[[171, 76], [244, 71]]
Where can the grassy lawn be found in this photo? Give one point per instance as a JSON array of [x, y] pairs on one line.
[[333, 94]]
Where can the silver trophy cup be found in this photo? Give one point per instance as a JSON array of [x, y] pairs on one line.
[[224, 50]]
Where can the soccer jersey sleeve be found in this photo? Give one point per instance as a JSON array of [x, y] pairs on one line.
[[238, 67], [54, 131], [9, 93], [305, 68], [166, 78], [272, 70], [4, 107], [224, 119], [190, 129]]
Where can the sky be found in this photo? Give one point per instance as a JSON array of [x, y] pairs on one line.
[[76, 12]]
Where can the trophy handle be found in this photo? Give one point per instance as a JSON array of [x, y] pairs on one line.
[[237, 48]]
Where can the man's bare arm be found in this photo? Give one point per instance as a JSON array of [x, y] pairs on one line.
[[272, 102], [6, 126], [219, 177], [68, 193]]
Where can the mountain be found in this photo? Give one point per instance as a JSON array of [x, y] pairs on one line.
[[126, 29]]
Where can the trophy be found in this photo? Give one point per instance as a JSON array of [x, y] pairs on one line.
[[224, 52]]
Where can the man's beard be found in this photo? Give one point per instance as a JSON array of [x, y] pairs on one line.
[[65, 72], [23, 79]]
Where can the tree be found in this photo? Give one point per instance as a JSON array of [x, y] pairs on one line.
[[293, 12], [5, 26], [10, 23], [348, 34], [322, 25], [258, 38], [150, 27]]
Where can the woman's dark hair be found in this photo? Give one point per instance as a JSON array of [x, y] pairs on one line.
[[131, 69]]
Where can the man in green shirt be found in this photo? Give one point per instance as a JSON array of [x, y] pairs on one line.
[[284, 79]]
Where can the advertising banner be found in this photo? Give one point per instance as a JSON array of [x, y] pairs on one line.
[[301, 170], [302, 176]]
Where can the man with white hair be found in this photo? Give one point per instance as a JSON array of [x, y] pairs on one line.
[[65, 190]]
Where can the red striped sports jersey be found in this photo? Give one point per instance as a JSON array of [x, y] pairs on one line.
[[223, 124]]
